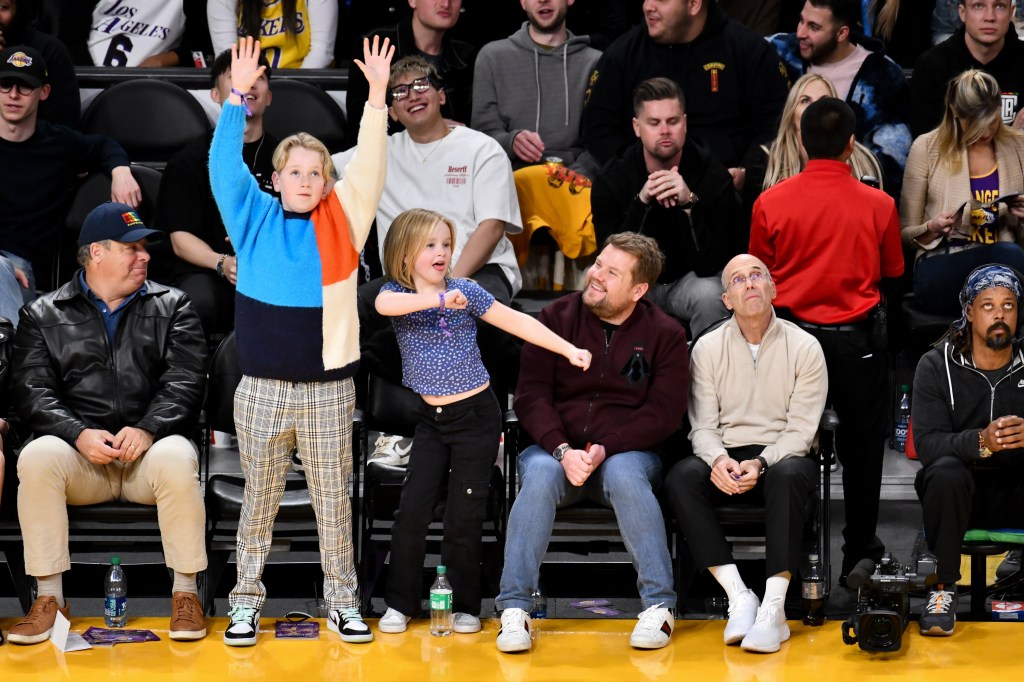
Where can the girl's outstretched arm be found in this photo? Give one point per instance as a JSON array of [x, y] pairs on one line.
[[393, 303], [531, 330]]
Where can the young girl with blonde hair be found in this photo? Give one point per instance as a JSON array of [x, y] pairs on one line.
[[459, 421]]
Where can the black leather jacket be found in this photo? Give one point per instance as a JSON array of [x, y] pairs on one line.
[[67, 378]]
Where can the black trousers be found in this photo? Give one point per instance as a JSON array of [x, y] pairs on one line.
[[461, 438], [957, 496], [858, 392], [783, 491]]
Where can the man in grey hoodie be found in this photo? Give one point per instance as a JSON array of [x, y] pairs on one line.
[[539, 117]]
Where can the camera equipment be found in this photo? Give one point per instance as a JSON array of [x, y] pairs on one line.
[[883, 600]]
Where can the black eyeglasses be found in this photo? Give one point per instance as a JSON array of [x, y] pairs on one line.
[[402, 90], [23, 90]]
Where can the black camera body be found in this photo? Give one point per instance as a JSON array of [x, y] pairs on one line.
[[883, 600]]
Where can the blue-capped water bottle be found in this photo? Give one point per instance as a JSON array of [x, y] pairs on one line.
[[115, 603]]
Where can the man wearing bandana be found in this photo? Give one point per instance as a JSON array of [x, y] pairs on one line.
[[968, 430], [597, 433], [758, 387]]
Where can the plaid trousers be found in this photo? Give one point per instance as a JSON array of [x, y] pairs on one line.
[[272, 418]]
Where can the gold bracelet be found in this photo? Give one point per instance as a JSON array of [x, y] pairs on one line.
[[983, 451]]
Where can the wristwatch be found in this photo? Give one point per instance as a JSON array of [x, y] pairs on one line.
[[983, 451], [559, 452], [220, 264], [692, 202], [764, 466]]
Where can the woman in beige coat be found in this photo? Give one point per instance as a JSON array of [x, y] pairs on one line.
[[956, 208]]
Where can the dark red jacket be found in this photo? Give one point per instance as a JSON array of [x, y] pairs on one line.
[[557, 403]]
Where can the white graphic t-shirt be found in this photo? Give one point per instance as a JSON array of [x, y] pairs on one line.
[[126, 32]]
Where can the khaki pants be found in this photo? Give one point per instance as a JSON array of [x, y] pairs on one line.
[[52, 475]]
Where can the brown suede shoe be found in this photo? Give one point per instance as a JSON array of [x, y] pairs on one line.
[[38, 621], [187, 619]]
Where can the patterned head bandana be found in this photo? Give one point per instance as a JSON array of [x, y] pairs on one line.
[[986, 277]]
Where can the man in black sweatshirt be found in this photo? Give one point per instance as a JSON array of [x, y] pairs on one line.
[[668, 186], [986, 41], [42, 163], [734, 82], [968, 432]]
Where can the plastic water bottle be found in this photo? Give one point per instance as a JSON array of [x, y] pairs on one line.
[[903, 419], [813, 591], [441, 604], [115, 604], [540, 604]]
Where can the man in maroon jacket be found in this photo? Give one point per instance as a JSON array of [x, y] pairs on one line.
[[596, 433]]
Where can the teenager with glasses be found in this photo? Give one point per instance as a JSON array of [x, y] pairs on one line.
[[49, 159], [18, 20], [426, 33]]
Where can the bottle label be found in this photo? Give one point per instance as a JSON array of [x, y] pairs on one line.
[[440, 600], [813, 590], [114, 607]]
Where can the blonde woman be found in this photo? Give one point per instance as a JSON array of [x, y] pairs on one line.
[[787, 157], [954, 175]]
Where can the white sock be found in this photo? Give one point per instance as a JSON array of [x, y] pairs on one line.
[[776, 586], [52, 586], [728, 576], [184, 582]]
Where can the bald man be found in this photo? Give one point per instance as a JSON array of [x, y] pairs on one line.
[[757, 391]]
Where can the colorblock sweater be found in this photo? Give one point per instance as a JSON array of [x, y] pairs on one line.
[[295, 312]]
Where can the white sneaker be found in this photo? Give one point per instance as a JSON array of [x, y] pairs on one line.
[[742, 613], [514, 634], [391, 450], [243, 626], [393, 622], [465, 623], [654, 629], [770, 628], [349, 625]]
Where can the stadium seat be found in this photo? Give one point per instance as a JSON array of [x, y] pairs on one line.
[[152, 119], [300, 106]]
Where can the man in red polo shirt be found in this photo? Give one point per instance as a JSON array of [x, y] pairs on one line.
[[829, 241]]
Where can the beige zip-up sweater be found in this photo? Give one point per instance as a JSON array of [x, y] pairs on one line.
[[776, 401]]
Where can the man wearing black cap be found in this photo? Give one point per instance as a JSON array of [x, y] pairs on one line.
[[42, 162], [108, 375]]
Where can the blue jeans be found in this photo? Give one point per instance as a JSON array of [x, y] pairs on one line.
[[10, 292], [625, 482]]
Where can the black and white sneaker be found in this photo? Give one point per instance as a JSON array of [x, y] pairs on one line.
[[349, 625], [244, 626], [939, 617]]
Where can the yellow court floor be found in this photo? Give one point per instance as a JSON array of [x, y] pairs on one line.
[[563, 650]]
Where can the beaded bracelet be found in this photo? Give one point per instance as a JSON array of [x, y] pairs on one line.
[[245, 103], [442, 324]]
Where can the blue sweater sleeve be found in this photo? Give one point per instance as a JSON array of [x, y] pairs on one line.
[[243, 206]]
